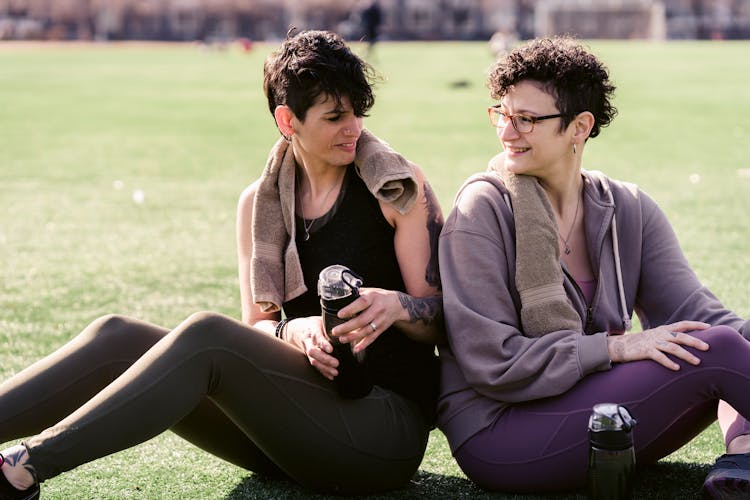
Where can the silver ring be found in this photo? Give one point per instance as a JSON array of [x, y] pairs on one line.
[[673, 334], [372, 325]]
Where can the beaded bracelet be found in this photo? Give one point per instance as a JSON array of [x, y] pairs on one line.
[[280, 327]]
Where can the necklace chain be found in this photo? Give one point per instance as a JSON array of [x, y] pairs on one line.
[[572, 226], [305, 224]]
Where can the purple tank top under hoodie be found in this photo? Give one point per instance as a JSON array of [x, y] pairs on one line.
[[588, 287]]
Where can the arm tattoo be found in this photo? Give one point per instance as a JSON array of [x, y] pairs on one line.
[[20, 456], [16, 457], [619, 351], [434, 225], [428, 310]]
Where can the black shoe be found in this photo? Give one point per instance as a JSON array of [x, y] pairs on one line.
[[9, 492], [729, 478]]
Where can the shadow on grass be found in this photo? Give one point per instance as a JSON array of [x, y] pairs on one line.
[[668, 480], [423, 485]]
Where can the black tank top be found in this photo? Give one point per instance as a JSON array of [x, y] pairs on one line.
[[356, 234]]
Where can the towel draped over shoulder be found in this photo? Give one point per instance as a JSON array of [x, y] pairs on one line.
[[539, 278], [275, 270]]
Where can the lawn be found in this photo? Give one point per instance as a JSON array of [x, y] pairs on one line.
[[121, 165]]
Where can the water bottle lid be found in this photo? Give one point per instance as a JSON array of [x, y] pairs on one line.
[[611, 417], [610, 427], [337, 281]]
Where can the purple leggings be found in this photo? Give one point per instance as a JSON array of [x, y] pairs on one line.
[[543, 444]]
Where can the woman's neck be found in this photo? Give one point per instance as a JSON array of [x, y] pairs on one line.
[[563, 192], [316, 178], [316, 193]]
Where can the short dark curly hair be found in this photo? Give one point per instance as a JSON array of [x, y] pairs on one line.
[[569, 72], [313, 63]]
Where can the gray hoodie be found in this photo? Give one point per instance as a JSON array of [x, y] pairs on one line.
[[488, 363]]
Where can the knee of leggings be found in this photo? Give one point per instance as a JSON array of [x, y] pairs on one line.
[[120, 334], [724, 340], [108, 328], [724, 337], [203, 326]]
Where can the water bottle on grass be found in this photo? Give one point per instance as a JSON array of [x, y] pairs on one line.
[[611, 454]]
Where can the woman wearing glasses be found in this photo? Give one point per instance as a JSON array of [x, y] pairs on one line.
[[542, 266]]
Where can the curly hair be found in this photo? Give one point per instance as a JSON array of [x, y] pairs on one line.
[[314, 63], [571, 74]]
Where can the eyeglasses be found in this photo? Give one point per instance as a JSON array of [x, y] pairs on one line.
[[522, 123]]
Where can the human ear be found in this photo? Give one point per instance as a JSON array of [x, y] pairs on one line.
[[582, 125], [283, 116]]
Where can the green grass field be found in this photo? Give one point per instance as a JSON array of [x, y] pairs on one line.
[[84, 127]]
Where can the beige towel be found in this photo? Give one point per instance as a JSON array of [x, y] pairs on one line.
[[275, 271], [539, 279]]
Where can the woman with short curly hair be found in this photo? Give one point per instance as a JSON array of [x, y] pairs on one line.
[[264, 393], [543, 264]]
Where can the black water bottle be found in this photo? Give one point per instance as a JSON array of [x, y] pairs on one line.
[[338, 286], [611, 454]]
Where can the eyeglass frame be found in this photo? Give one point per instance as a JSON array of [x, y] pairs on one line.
[[494, 110]]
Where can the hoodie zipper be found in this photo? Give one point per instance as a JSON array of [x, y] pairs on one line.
[[589, 319]]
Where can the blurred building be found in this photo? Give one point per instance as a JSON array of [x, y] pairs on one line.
[[209, 20], [618, 19], [142, 19]]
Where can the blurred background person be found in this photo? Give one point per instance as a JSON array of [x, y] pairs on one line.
[[371, 18]]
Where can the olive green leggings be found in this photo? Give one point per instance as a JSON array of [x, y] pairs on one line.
[[232, 390]]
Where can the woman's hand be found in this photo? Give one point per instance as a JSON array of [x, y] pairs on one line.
[[376, 310], [657, 342], [308, 334]]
